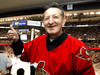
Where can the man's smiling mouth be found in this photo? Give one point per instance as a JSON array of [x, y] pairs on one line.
[[51, 26]]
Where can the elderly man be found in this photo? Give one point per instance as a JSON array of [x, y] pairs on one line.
[[60, 53]]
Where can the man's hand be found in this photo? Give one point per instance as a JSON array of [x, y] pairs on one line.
[[12, 34], [1, 71]]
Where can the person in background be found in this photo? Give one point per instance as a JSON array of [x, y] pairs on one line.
[[20, 71], [5, 62], [55, 53]]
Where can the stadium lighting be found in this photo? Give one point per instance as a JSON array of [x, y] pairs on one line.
[[91, 13], [98, 12], [75, 14]]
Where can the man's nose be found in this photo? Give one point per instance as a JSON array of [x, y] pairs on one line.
[[51, 20]]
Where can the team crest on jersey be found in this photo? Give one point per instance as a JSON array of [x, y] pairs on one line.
[[40, 70], [83, 54]]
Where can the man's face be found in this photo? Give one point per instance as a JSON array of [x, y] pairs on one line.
[[53, 21]]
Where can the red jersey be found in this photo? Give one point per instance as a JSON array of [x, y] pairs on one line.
[[69, 58]]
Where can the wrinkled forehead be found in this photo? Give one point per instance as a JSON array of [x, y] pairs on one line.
[[52, 10]]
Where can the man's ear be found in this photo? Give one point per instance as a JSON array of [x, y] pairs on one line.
[[64, 21]]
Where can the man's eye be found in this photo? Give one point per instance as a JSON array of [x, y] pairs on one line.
[[55, 17], [46, 18]]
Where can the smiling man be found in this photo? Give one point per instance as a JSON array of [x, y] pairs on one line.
[[58, 52], [53, 22]]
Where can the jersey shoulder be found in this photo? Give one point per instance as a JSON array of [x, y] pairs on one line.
[[36, 40], [75, 41]]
